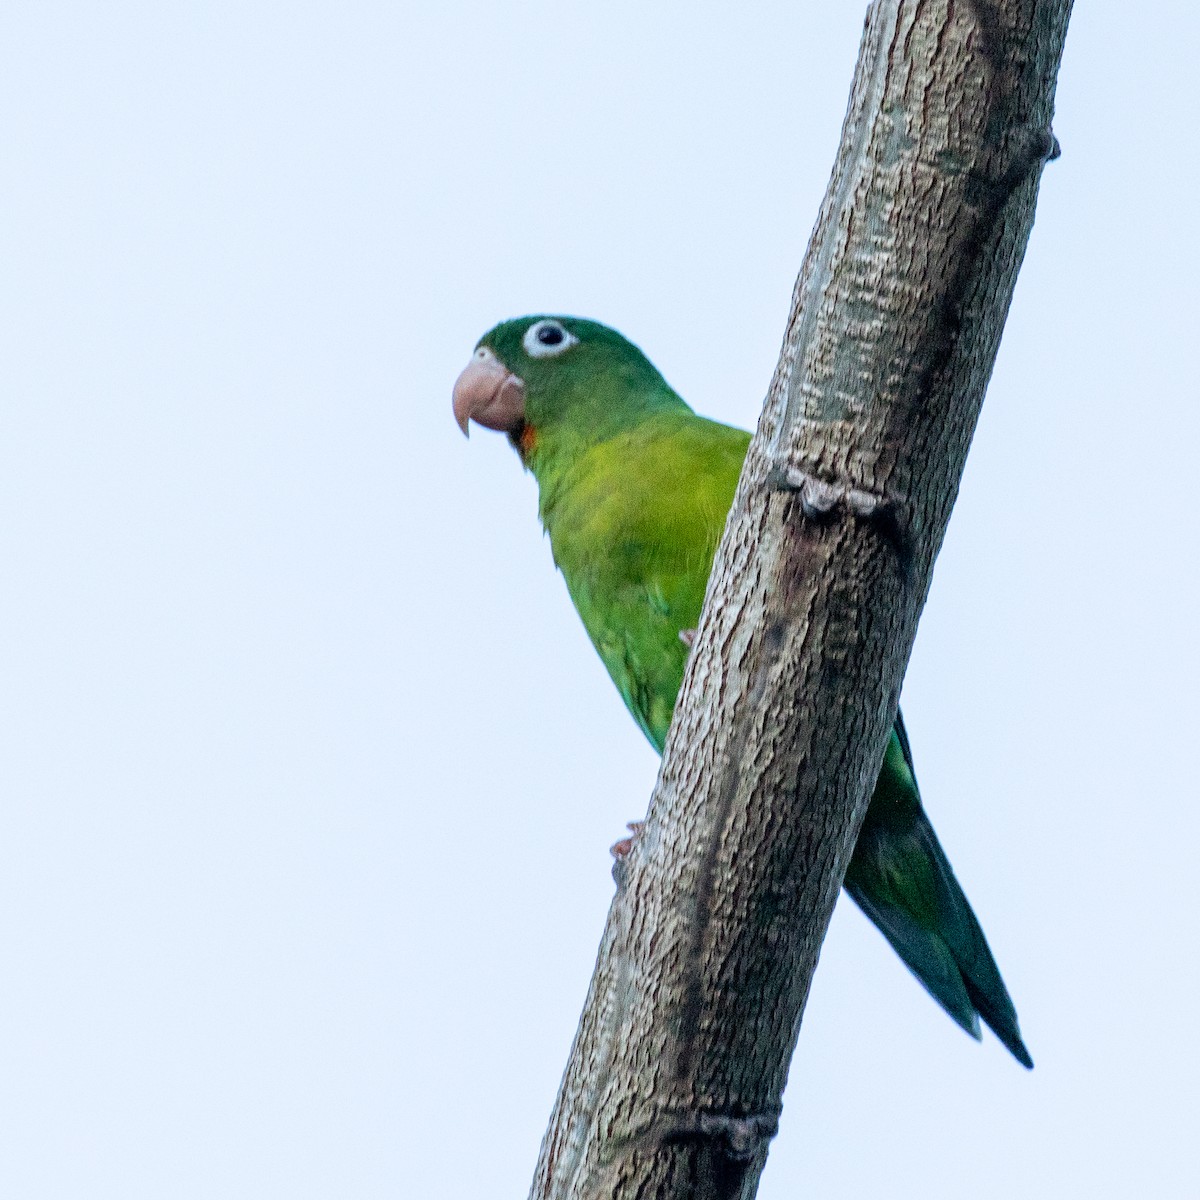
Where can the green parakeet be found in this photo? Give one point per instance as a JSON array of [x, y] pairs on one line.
[[634, 488]]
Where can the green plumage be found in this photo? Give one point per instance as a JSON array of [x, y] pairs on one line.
[[634, 489]]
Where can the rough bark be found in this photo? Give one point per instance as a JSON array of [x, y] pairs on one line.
[[675, 1079]]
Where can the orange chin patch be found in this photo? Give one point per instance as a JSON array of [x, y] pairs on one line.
[[527, 440]]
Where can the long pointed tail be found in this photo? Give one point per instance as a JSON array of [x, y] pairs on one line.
[[900, 877]]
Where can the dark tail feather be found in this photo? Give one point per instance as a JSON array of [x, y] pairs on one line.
[[900, 877], [926, 956]]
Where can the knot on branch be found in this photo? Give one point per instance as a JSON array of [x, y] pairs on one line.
[[1026, 149], [737, 1138], [742, 1136], [822, 501]]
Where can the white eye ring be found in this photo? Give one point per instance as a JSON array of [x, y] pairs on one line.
[[545, 339]]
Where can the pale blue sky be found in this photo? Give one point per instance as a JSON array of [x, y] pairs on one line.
[[309, 772]]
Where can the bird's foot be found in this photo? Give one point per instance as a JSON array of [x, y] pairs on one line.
[[687, 637], [620, 850]]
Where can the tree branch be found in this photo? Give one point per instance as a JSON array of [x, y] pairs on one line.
[[675, 1080]]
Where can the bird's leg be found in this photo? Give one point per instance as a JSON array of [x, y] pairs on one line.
[[687, 637]]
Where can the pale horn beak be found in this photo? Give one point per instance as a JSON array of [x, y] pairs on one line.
[[489, 394]]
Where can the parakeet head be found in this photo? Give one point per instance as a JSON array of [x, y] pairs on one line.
[[557, 378]]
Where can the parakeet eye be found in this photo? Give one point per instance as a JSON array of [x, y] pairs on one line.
[[543, 339]]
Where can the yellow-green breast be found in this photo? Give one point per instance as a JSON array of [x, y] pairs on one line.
[[634, 522]]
